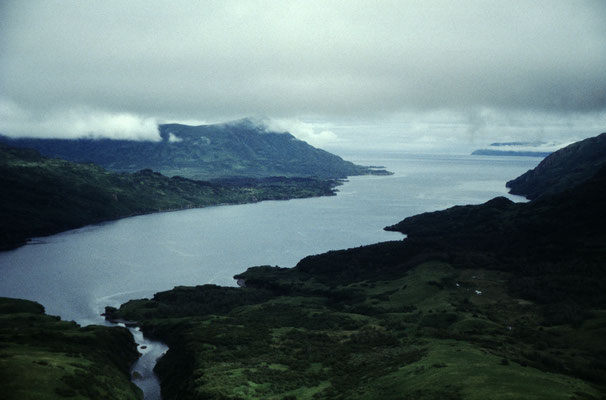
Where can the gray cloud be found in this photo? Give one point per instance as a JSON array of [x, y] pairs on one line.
[[216, 60]]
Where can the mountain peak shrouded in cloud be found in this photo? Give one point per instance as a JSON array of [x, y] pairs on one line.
[[242, 148], [314, 65]]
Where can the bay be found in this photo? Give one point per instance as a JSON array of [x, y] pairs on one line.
[[76, 274]]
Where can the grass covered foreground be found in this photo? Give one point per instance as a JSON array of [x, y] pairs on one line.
[[430, 332], [495, 301], [44, 358], [41, 196]]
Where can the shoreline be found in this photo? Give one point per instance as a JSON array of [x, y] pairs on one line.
[[26, 241]]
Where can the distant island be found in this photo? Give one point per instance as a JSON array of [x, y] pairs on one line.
[[525, 144], [234, 149], [514, 149], [512, 153]]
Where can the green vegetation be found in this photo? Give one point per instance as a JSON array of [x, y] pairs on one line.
[[498, 301], [41, 196], [239, 148], [417, 335], [563, 169], [42, 357]]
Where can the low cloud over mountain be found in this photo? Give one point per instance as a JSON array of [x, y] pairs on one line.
[[112, 68]]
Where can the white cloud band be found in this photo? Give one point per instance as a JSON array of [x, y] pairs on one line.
[[76, 123]]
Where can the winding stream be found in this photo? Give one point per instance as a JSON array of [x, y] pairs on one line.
[[76, 274], [142, 371]]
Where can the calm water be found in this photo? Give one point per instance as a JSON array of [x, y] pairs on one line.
[[77, 273]]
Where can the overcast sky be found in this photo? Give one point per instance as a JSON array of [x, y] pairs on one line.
[[335, 73]]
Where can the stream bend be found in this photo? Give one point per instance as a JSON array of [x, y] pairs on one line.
[[142, 371]]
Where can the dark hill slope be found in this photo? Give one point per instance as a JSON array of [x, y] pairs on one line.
[[555, 245], [41, 196], [239, 148], [563, 169]]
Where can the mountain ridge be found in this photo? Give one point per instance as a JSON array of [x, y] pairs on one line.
[[237, 148]]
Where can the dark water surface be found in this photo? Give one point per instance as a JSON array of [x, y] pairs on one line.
[[77, 273]]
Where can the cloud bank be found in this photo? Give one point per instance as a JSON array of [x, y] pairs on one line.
[[76, 123], [297, 61], [316, 134]]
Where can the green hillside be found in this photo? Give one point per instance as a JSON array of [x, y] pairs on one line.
[[238, 148], [44, 358], [41, 196]]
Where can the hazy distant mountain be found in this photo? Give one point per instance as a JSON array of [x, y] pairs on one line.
[[516, 149], [563, 169], [513, 153], [525, 144], [238, 148]]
